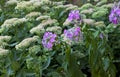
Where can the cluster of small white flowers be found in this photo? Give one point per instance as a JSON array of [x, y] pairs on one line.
[[35, 0], [32, 15], [38, 4], [27, 42], [109, 6], [25, 5], [31, 5], [3, 44], [3, 51], [46, 2], [58, 3], [4, 40], [70, 7], [11, 2], [55, 29], [66, 23], [87, 11], [40, 18], [37, 30], [48, 22], [41, 27], [101, 2], [10, 23], [60, 6], [86, 6], [100, 24], [89, 21], [67, 7]]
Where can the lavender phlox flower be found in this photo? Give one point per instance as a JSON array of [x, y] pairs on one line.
[[74, 34], [74, 15], [48, 40], [114, 16]]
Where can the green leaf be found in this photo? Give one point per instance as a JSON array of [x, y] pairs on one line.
[[46, 64], [96, 34], [106, 63], [73, 69]]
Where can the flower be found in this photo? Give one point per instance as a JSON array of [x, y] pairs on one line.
[[74, 15], [3, 51], [74, 34], [27, 42], [48, 40], [115, 14], [101, 35]]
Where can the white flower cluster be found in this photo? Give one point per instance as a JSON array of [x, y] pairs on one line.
[[41, 27], [58, 3], [87, 11], [86, 6], [66, 7], [55, 29], [32, 15], [40, 18], [66, 23], [25, 5], [11, 2], [70, 7], [27, 42], [10, 23], [89, 21], [37, 30], [49, 22], [4, 40], [31, 5], [35, 0], [3, 51], [100, 24]]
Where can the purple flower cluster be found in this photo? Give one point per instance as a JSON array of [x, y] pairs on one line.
[[74, 34], [74, 15], [114, 16], [48, 40]]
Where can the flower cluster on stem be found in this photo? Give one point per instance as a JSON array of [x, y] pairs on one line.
[[114, 16], [73, 34], [74, 16], [48, 40]]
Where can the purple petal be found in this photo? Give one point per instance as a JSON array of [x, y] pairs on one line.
[[115, 21]]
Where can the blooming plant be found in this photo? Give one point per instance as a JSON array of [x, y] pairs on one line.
[[46, 38], [74, 34], [114, 16], [74, 15]]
